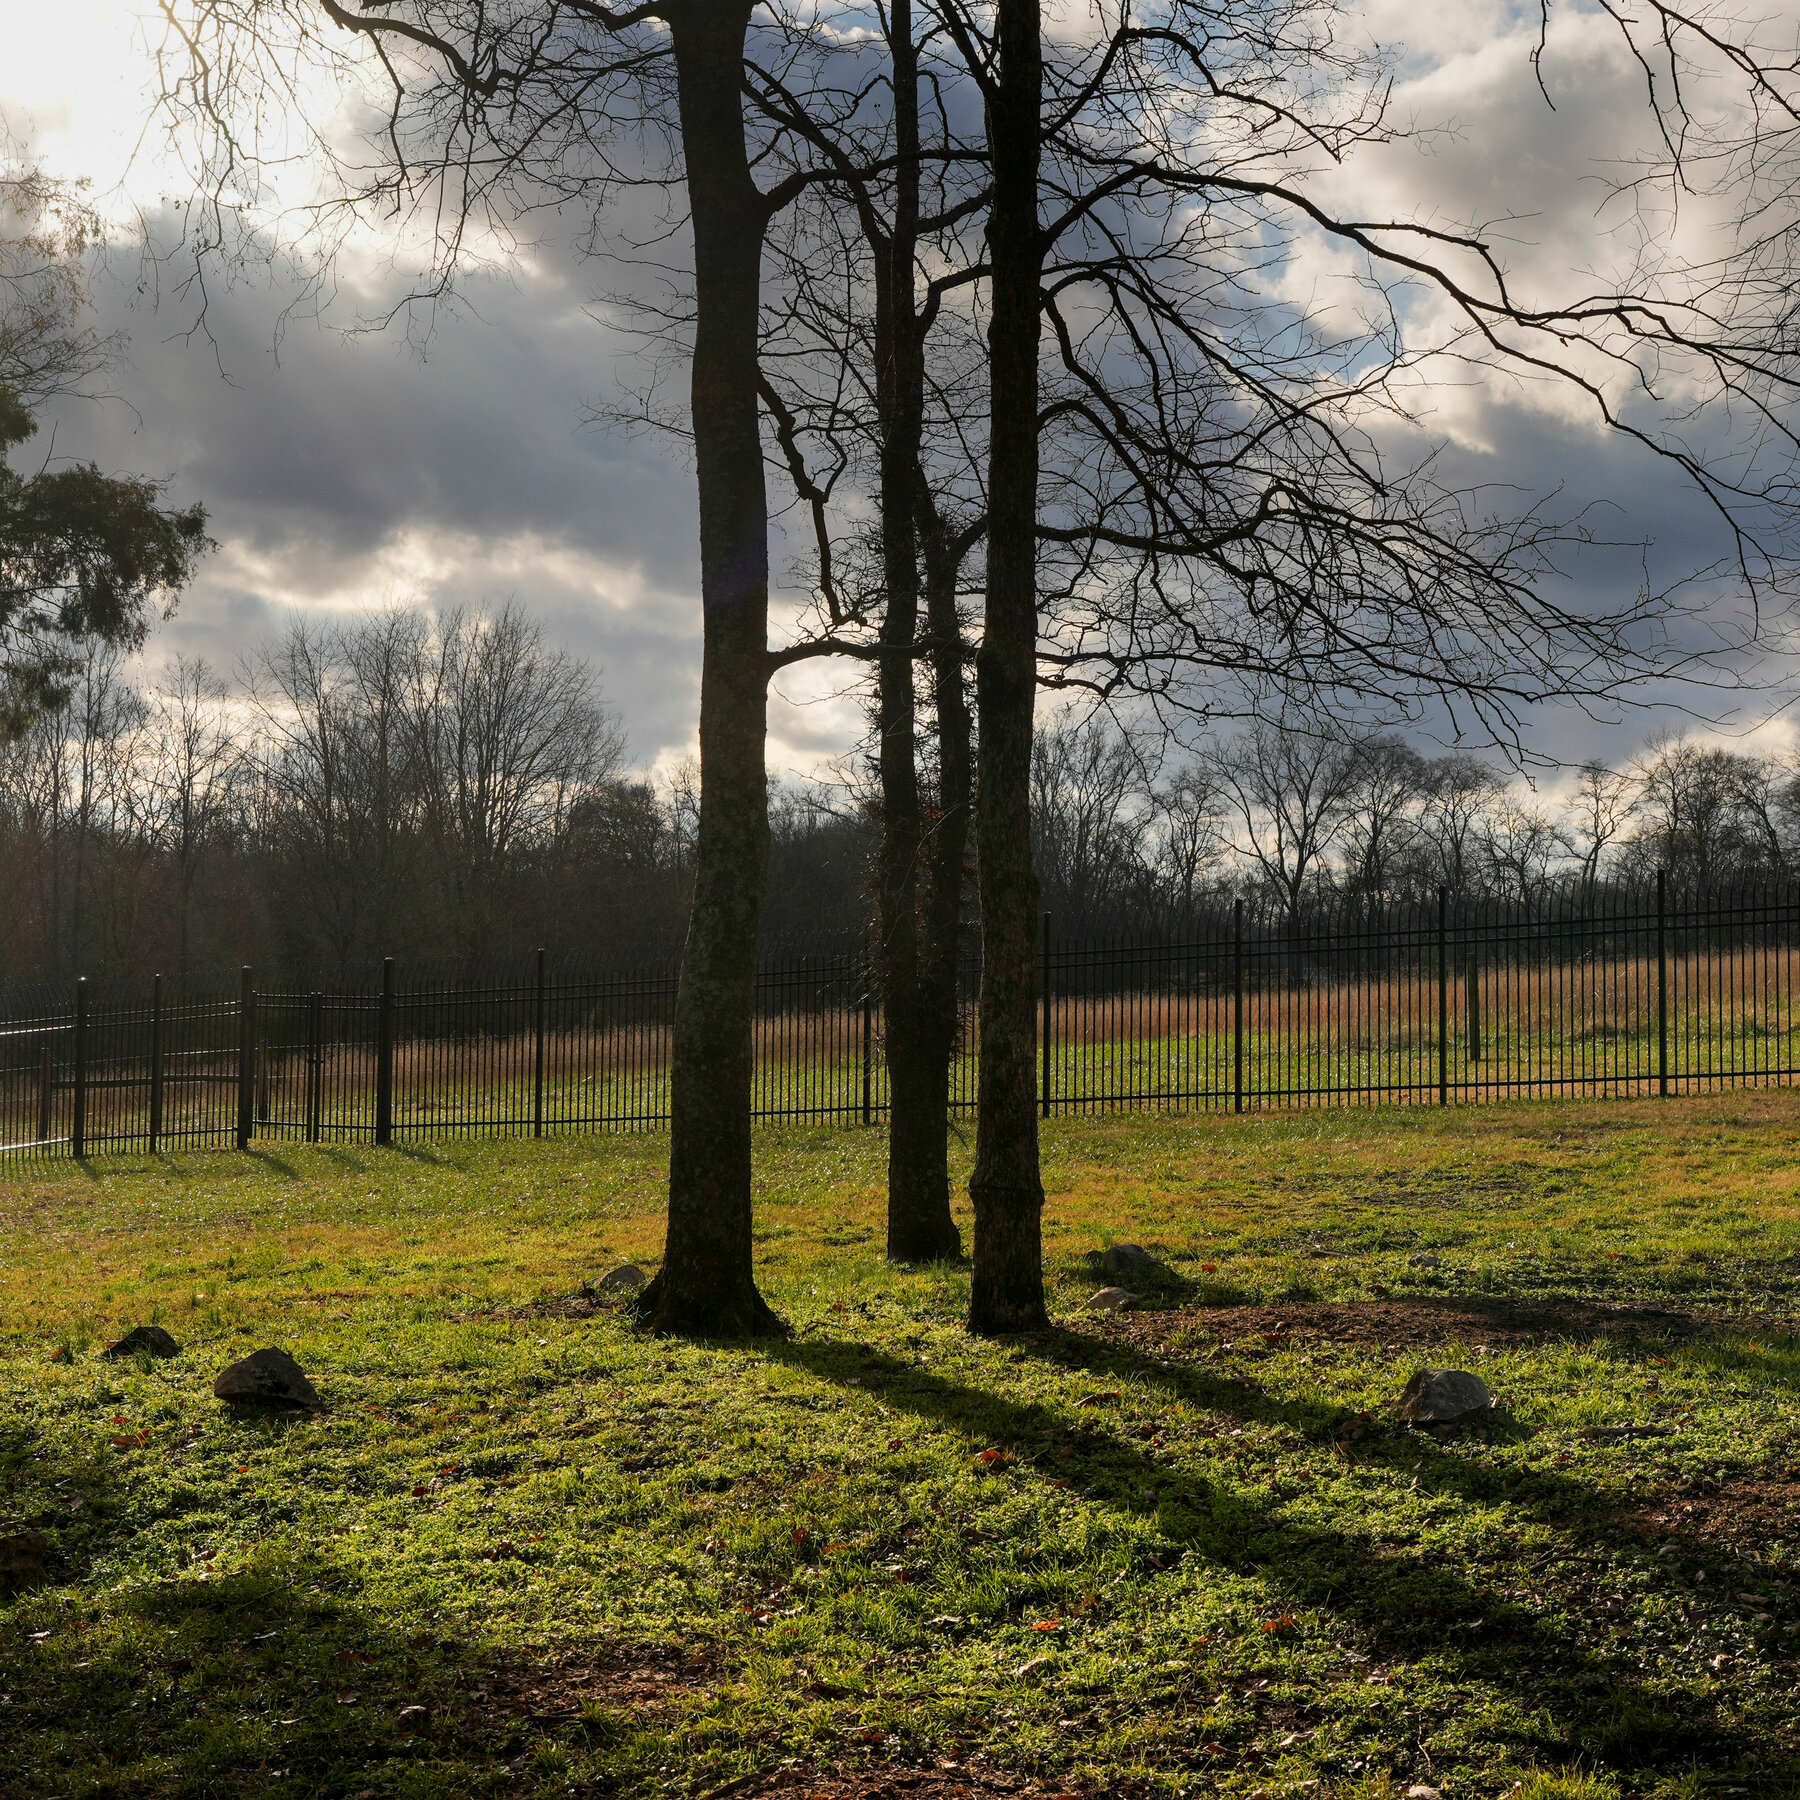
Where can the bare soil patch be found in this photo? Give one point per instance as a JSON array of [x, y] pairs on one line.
[[1746, 1516], [956, 1783]]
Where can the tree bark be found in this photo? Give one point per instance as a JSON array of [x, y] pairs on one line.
[[1007, 1188], [707, 1286], [920, 1226]]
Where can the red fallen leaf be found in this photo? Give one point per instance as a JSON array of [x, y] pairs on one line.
[[243, 1468], [1209, 1268], [1048, 1625], [420, 1490], [120, 1419], [834, 1549], [893, 1443], [991, 1459], [837, 1306], [802, 1536], [1286, 1622]]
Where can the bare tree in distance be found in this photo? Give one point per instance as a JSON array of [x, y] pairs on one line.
[[1380, 828], [1291, 787], [193, 779], [1597, 815]]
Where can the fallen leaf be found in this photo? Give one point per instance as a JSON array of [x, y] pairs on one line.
[[1286, 1622], [1047, 1625]]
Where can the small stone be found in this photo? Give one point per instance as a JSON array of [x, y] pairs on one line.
[[24, 1561], [266, 1378], [1444, 1397], [1424, 1259], [1419, 1791], [1112, 1299], [145, 1340], [626, 1279], [1119, 1260], [411, 1718]]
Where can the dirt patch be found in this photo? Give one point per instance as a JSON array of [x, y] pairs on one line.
[[584, 1303], [556, 1688], [1390, 1324], [1747, 1516], [953, 1783]]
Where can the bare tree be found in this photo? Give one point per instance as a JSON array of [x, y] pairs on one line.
[[1518, 846], [191, 779], [1090, 815], [503, 737], [1291, 785], [1381, 815], [1597, 816], [1460, 790]]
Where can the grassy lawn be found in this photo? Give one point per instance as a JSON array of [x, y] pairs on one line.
[[527, 1550]]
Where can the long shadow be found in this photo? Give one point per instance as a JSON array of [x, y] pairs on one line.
[[1405, 1605], [283, 1678]]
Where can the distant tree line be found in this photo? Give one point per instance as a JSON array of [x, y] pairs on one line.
[[1297, 814], [447, 790], [451, 791]]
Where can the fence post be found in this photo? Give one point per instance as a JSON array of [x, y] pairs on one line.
[[1443, 996], [1237, 1005], [384, 1056], [1662, 983], [315, 1064], [156, 1062], [46, 1092], [1044, 988], [78, 1130], [537, 1066], [1472, 981], [868, 1035], [246, 1102]]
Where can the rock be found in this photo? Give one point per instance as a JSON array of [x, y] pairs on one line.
[[24, 1561], [1112, 1299], [266, 1378], [1119, 1260], [626, 1279], [1419, 1791], [1424, 1259], [146, 1340], [1444, 1397]]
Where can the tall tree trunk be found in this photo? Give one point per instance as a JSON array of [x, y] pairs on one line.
[[1007, 1188], [920, 1226], [706, 1286], [946, 847]]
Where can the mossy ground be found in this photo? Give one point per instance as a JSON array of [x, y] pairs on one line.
[[1162, 1553]]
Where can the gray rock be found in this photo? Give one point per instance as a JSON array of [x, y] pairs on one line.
[[1425, 1259], [1122, 1261], [1112, 1299], [266, 1378], [24, 1561], [146, 1340], [626, 1279], [1444, 1397]]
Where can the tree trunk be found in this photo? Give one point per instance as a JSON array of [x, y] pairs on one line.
[[707, 1286], [920, 1227], [1006, 1187]]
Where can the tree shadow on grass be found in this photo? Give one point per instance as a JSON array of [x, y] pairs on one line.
[[286, 1678], [1403, 1605]]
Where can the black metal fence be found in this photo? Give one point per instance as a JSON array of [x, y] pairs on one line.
[[1427, 1002]]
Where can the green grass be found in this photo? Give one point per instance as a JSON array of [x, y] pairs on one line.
[[1161, 1554]]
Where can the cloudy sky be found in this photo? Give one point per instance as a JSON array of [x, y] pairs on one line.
[[349, 471]]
